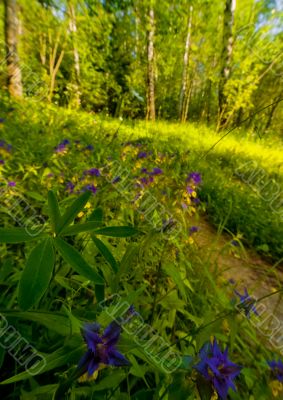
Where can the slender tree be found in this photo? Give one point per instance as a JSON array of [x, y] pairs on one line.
[[55, 60], [184, 92], [150, 68], [73, 31], [13, 68], [226, 56]]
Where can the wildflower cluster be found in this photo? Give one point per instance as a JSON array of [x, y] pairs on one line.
[[189, 196], [276, 384], [5, 152]]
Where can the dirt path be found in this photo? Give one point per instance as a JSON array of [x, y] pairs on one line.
[[245, 267]]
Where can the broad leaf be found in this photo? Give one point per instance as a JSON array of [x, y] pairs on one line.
[[53, 210], [70, 353], [36, 275], [106, 253], [117, 231], [56, 322], [96, 215], [79, 228], [77, 262], [72, 211], [18, 235]]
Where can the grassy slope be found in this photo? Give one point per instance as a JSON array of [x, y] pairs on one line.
[[229, 199], [253, 209]]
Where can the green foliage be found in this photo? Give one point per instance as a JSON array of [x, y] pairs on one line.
[[111, 252], [37, 274], [104, 58]]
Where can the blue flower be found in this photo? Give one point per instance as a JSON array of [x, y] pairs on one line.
[[89, 147], [101, 349], [11, 184], [196, 200], [142, 154], [92, 172], [156, 171], [194, 229], [2, 162], [217, 369], [60, 148], [116, 179], [277, 369], [190, 190], [195, 177], [246, 303], [70, 187], [2, 120], [6, 146], [91, 188]]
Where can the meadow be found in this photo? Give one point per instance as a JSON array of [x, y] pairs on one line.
[[105, 292]]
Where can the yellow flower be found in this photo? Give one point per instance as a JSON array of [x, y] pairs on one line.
[[276, 387], [190, 240], [214, 396], [86, 378], [225, 326]]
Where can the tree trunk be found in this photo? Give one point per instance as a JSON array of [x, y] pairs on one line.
[[226, 56], [273, 108], [73, 30], [13, 69], [184, 88], [150, 68], [54, 63]]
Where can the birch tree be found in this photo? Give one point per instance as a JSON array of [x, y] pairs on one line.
[[14, 76], [73, 32], [150, 68], [184, 93], [226, 56]]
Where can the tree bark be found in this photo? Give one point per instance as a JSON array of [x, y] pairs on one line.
[[226, 56], [73, 30], [13, 68], [150, 68], [184, 88]]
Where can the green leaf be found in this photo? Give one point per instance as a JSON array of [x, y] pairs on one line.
[[99, 292], [18, 235], [79, 228], [36, 275], [2, 356], [73, 257], [56, 322], [110, 381], [129, 258], [70, 353], [174, 273], [96, 215], [106, 253], [72, 211], [53, 209], [117, 231], [36, 196]]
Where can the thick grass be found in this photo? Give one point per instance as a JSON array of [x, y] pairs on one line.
[[242, 175]]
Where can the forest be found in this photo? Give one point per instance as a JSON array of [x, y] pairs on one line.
[[141, 199]]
